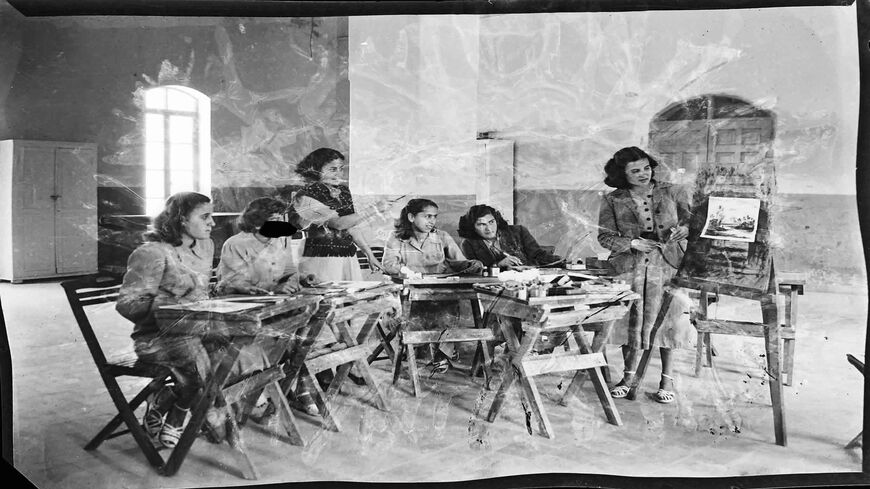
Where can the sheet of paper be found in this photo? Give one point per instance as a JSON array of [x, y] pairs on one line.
[[214, 306]]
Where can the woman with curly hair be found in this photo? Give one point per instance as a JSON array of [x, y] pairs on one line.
[[173, 266], [325, 208], [490, 239], [644, 225]]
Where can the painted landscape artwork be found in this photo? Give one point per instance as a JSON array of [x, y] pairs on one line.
[[731, 218]]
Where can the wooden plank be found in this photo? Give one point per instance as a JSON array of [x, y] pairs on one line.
[[235, 392], [447, 336], [442, 294], [334, 359], [510, 307], [562, 362], [381, 305], [722, 326], [447, 281]]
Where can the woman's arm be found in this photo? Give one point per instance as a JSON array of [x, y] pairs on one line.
[[454, 257], [360, 240], [608, 233], [314, 212], [392, 261], [533, 250], [145, 268]]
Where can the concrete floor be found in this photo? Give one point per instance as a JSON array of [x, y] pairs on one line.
[[715, 428]]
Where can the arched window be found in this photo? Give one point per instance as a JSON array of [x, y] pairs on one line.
[[177, 144]]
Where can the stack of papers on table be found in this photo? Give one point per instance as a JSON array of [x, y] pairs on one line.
[[213, 305]]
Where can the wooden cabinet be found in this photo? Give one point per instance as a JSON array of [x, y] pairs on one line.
[[48, 209]]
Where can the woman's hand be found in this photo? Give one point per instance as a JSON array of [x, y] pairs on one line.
[[288, 288], [375, 264], [679, 233], [249, 289], [510, 261], [643, 245], [474, 266], [309, 280]]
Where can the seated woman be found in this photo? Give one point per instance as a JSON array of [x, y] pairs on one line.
[[173, 266], [258, 260], [490, 239], [418, 246]]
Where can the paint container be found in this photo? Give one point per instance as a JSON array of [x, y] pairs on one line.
[[493, 271], [522, 294]]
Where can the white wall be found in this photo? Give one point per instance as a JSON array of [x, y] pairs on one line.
[[413, 104]]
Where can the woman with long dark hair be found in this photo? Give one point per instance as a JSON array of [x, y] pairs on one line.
[[173, 266], [644, 224], [490, 239], [417, 245]]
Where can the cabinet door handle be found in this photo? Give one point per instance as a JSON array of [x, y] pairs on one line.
[[54, 197]]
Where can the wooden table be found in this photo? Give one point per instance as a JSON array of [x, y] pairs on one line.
[[524, 320], [440, 287], [340, 303], [262, 320]]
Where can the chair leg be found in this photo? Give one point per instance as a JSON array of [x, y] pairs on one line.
[[129, 418], [112, 425]]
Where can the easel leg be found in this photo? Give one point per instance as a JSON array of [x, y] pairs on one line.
[[774, 366]]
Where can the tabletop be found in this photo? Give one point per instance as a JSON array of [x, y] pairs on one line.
[[233, 315]]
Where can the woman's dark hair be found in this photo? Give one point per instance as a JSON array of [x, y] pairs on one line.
[[404, 228], [615, 167], [167, 227], [258, 211], [467, 222], [311, 165]]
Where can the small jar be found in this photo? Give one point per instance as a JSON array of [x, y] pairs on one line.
[[522, 294], [493, 271]]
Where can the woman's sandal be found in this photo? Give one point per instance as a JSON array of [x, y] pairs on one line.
[[169, 434], [620, 390], [153, 419], [665, 396]]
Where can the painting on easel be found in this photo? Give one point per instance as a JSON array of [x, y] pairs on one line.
[[731, 218]]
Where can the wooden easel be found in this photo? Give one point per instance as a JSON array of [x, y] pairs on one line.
[[738, 269]]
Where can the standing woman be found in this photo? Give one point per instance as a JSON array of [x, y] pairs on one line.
[[173, 266], [325, 208], [644, 225]]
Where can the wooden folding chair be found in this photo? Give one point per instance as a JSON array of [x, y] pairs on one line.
[[859, 438], [100, 289]]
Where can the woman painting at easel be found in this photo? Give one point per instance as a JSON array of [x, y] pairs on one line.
[[644, 224]]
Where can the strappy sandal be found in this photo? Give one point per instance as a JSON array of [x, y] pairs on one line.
[[169, 434], [621, 389], [665, 396], [440, 364], [153, 419], [307, 402]]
